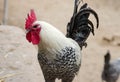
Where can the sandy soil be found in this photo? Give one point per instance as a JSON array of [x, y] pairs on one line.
[[58, 13]]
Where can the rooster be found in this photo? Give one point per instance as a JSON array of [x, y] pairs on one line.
[[59, 56]]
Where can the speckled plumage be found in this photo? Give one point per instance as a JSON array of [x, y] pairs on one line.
[[62, 67]]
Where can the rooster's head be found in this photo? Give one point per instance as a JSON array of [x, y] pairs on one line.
[[33, 29]]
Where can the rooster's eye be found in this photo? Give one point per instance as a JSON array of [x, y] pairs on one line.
[[35, 26]]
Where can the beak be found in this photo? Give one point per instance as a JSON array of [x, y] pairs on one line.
[[27, 30]]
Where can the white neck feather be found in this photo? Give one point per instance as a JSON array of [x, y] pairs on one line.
[[51, 37]]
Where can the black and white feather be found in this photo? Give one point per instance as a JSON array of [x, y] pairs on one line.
[[58, 56], [64, 66]]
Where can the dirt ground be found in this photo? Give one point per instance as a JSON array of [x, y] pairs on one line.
[[23, 61]]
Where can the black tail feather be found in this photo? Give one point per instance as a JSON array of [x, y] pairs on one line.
[[80, 26], [84, 21], [83, 7], [88, 11]]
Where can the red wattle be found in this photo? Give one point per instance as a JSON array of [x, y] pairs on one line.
[[28, 36], [33, 36]]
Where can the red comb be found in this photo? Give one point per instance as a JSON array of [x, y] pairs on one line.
[[30, 19]]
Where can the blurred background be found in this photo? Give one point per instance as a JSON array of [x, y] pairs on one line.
[[24, 55], [60, 11]]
